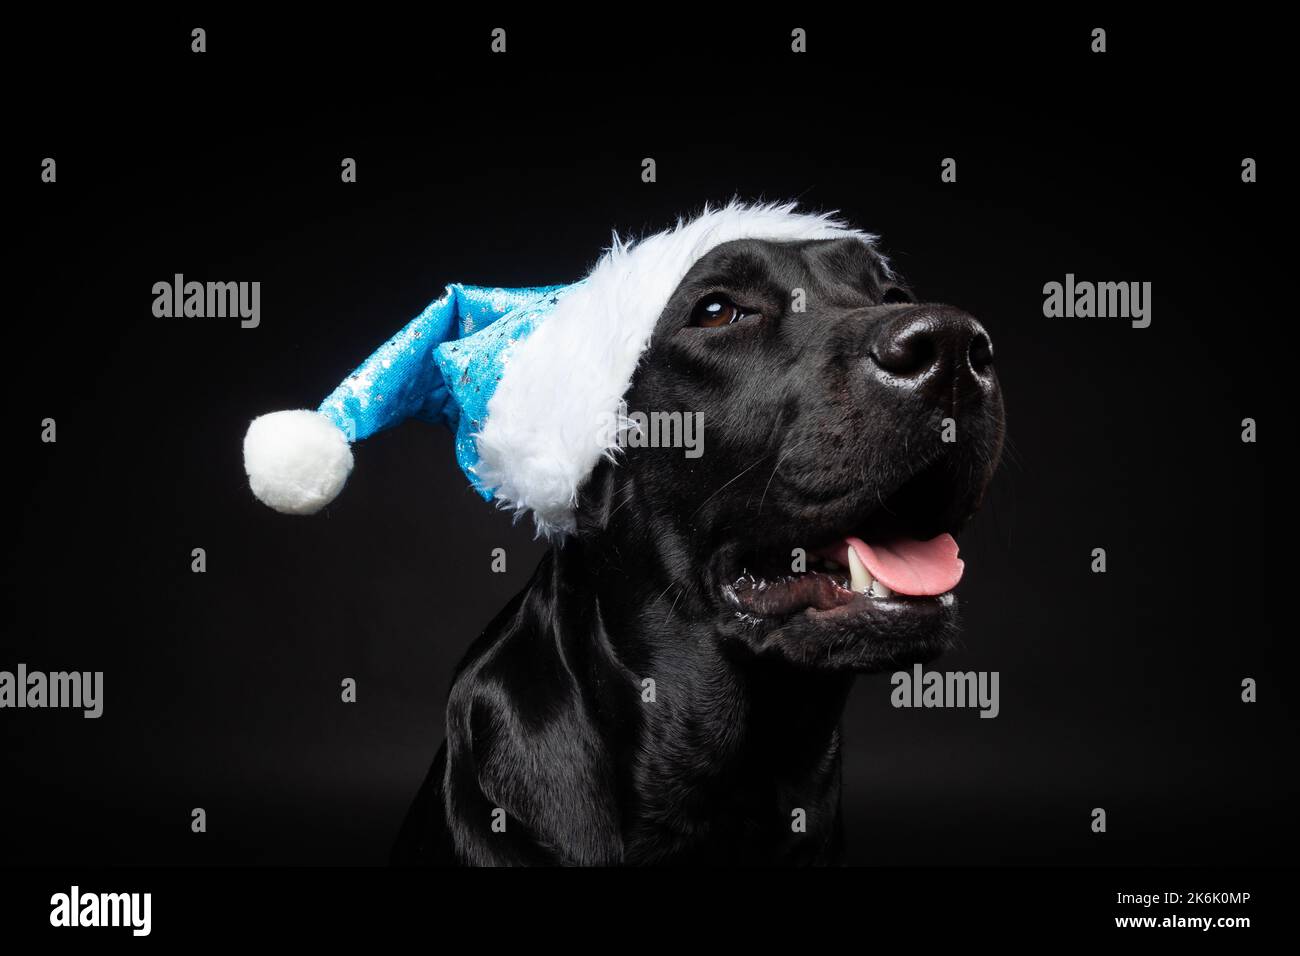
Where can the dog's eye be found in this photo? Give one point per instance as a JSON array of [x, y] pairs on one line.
[[717, 310]]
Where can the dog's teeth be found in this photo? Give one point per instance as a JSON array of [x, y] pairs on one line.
[[860, 578], [879, 590]]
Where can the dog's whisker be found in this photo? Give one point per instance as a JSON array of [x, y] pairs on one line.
[[775, 469], [674, 607], [666, 590], [628, 496], [740, 475]]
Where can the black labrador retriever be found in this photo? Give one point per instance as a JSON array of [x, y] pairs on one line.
[[668, 687]]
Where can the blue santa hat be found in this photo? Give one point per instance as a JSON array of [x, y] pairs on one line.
[[529, 379]]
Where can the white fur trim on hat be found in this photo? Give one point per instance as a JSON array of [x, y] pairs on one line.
[[538, 444]]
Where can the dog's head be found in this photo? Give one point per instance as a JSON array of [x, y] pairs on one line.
[[847, 431]]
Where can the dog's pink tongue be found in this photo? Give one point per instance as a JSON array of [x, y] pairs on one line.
[[913, 567]]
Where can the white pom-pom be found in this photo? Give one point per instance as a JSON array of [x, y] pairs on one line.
[[297, 461]]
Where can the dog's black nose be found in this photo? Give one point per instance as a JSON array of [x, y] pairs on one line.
[[934, 349]]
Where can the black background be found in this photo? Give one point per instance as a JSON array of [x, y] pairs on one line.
[[222, 689]]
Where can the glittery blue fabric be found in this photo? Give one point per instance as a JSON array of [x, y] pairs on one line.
[[442, 367]]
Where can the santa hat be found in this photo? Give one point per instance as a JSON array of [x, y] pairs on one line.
[[524, 377]]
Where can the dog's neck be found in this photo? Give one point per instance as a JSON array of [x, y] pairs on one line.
[[719, 733]]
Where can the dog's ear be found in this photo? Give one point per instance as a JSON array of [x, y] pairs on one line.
[[598, 499]]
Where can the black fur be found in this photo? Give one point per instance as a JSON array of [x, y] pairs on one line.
[[818, 423]]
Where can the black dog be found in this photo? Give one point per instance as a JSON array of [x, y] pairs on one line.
[[821, 424]]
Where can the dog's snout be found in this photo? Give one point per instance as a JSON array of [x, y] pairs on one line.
[[937, 350]]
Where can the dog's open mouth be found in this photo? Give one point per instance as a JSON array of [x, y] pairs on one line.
[[854, 572], [898, 561]]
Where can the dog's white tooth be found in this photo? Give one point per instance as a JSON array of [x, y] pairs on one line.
[[880, 590], [860, 577]]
